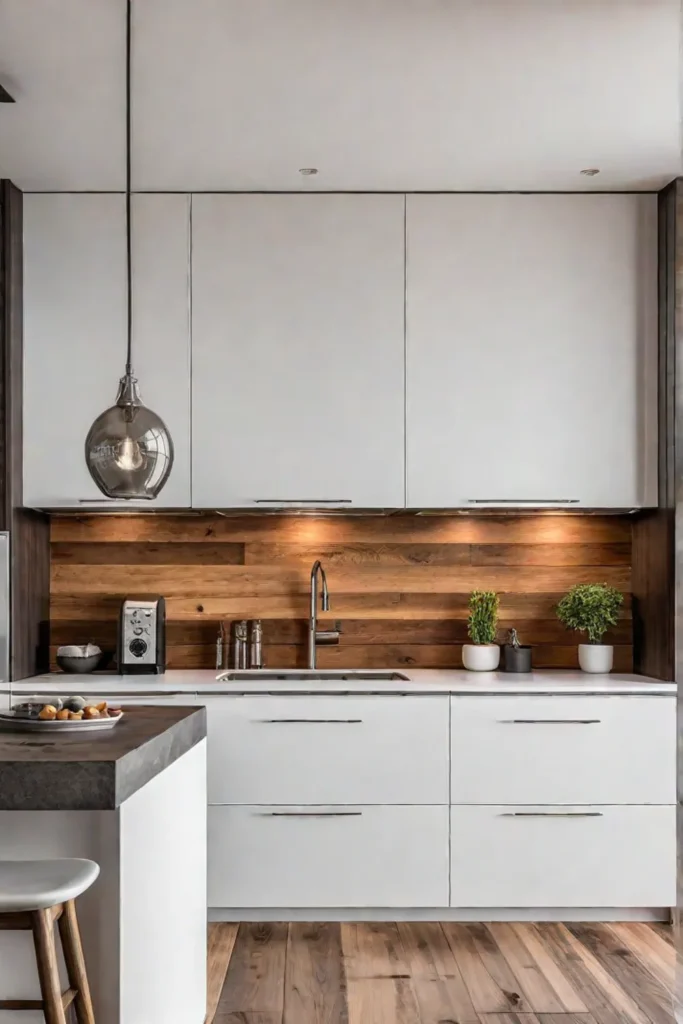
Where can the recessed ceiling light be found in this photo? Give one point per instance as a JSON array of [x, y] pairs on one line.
[[590, 171], [308, 171]]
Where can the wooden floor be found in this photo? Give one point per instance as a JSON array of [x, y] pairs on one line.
[[440, 974]]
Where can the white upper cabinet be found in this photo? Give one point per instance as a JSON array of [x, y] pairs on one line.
[[298, 350], [75, 335], [531, 350]]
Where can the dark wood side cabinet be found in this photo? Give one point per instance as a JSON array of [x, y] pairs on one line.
[[29, 531], [658, 533]]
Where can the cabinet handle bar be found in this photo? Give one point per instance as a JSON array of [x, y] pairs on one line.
[[309, 814], [308, 721], [303, 501], [549, 721], [551, 814], [523, 501]]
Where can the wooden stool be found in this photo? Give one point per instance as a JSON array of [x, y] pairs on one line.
[[33, 895]]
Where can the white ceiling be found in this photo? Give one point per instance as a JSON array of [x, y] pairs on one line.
[[378, 94]]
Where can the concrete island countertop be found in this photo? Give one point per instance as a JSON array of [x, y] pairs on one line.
[[95, 772], [202, 682]]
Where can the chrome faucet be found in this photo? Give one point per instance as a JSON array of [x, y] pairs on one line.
[[315, 635]]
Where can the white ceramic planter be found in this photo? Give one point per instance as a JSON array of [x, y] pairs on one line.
[[481, 657], [596, 658]]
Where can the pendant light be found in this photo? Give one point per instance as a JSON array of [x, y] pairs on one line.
[[128, 450]]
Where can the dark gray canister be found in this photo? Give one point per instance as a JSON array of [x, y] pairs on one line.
[[516, 659]]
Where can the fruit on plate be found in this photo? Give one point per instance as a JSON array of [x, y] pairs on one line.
[[114, 712], [102, 707], [48, 713], [63, 715], [90, 712], [75, 716], [74, 703]]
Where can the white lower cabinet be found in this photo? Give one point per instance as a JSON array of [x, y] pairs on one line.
[[503, 803], [563, 856], [328, 750], [562, 750], [305, 856]]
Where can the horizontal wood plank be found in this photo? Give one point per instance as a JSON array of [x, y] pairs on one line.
[[552, 528], [266, 581], [203, 630], [376, 656], [147, 553]]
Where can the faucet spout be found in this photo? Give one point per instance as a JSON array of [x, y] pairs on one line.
[[314, 635]]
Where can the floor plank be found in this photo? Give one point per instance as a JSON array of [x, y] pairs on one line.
[[382, 1001], [253, 992], [651, 949], [249, 1017], [486, 973], [566, 1018], [540, 995], [604, 998], [632, 976], [570, 1000], [508, 1018], [315, 981], [373, 950], [221, 941], [426, 952], [541, 1018], [439, 987], [666, 931]]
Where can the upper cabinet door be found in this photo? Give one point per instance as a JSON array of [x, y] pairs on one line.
[[298, 350], [531, 350], [75, 335]]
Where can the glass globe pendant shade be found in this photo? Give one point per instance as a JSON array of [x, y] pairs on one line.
[[128, 449]]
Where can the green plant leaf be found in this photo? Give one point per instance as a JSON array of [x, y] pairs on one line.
[[591, 608], [483, 619]]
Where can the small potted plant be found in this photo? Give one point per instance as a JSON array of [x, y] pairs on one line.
[[483, 654], [592, 608]]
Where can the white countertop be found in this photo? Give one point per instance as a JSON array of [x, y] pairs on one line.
[[420, 682]]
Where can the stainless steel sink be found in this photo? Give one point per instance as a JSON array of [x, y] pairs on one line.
[[260, 676]]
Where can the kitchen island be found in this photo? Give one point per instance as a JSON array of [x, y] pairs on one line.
[[134, 800]]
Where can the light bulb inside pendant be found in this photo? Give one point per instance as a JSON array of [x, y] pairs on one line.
[[128, 455]]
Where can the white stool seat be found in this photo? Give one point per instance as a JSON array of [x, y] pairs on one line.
[[37, 884]]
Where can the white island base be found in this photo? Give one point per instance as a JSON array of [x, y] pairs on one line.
[[143, 922]]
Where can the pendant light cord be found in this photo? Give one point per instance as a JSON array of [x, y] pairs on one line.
[[129, 246]]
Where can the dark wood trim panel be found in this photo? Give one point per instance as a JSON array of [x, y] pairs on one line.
[[29, 530], [657, 556]]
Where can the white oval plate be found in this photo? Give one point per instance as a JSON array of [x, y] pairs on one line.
[[9, 722]]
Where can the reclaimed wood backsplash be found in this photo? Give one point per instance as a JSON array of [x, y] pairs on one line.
[[399, 584]]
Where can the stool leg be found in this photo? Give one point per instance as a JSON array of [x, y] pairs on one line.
[[48, 971], [75, 964]]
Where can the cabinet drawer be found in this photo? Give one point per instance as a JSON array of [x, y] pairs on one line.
[[332, 750], [328, 856], [588, 750], [563, 856]]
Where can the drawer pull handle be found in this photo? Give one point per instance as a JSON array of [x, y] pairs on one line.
[[309, 721], [310, 814], [549, 721], [303, 501], [552, 814], [523, 501]]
